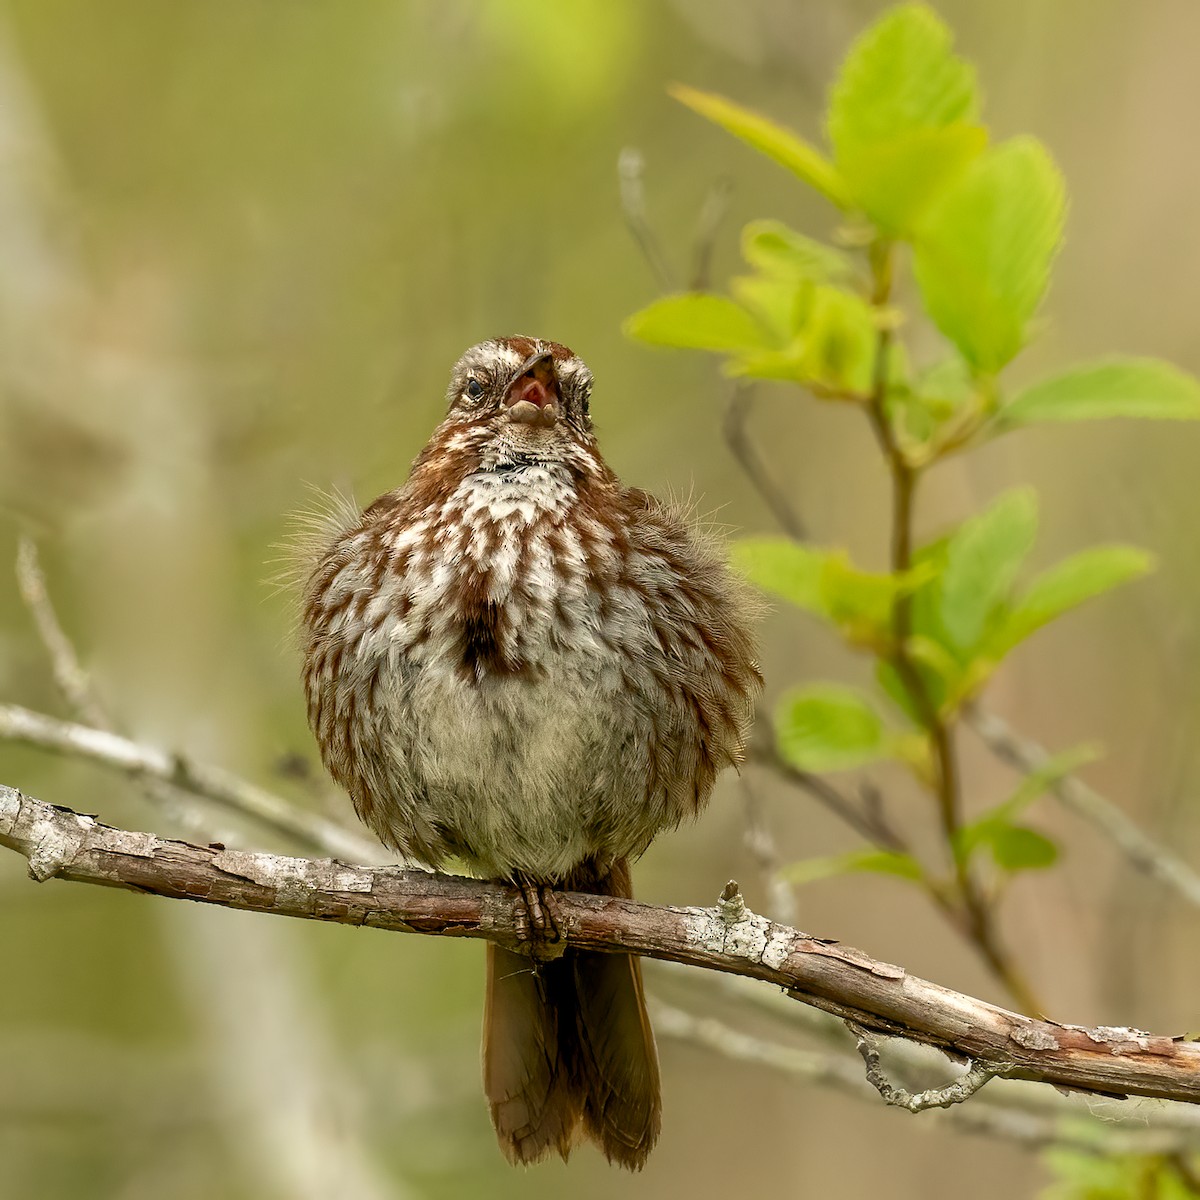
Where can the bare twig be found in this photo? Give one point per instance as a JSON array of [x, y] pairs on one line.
[[1058, 1123], [708, 223], [760, 842], [213, 784], [1143, 851], [868, 823], [876, 996], [743, 448], [630, 169], [69, 676], [962, 1088], [76, 687]]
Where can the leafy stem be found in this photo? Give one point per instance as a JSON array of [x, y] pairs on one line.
[[965, 898]]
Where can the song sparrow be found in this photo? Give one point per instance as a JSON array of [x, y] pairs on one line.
[[517, 661]]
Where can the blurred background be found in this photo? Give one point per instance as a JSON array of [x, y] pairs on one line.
[[241, 243]]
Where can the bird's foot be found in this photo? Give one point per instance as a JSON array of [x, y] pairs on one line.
[[538, 917]]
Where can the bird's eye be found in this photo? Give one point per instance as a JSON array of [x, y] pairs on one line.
[[474, 388]]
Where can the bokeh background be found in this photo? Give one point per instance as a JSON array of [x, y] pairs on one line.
[[241, 242]]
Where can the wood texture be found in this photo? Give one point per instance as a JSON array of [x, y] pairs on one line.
[[880, 997]]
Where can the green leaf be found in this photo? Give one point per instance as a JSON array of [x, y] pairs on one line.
[[877, 862], [786, 148], [895, 184], [984, 253], [1019, 848], [780, 304], [782, 567], [1016, 847], [1064, 587], [982, 560], [829, 335], [775, 249], [859, 602], [903, 116], [824, 582], [826, 727], [1120, 387], [697, 321], [1038, 782], [900, 75]]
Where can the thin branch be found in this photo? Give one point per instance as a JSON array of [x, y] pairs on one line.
[[1066, 1127], [708, 223], [743, 448], [876, 996], [630, 172], [867, 822], [77, 689], [962, 1088], [1139, 847], [69, 676], [220, 787], [760, 842], [979, 916]]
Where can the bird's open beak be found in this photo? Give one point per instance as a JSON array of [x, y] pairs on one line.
[[533, 397]]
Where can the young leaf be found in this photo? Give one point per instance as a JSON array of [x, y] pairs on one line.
[[1038, 782], [982, 560], [783, 567], [785, 147], [1019, 848], [839, 342], [900, 75], [777, 250], [825, 583], [826, 727], [896, 183], [1065, 586], [903, 116], [1121, 387], [983, 256], [986, 828], [781, 305], [877, 862], [697, 321]]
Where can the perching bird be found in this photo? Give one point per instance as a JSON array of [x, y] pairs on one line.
[[517, 661]]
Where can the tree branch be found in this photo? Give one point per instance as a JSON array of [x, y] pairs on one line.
[[211, 783], [876, 996], [1139, 847]]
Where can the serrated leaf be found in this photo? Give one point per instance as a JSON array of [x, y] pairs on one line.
[[775, 249], [783, 146], [1119, 387], [1064, 587], [982, 560], [903, 116], [983, 256], [900, 75], [826, 727], [782, 567], [896, 183], [877, 862], [697, 321]]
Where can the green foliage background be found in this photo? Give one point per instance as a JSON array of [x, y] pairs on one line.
[[240, 245]]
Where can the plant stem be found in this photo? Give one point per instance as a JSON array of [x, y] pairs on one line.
[[965, 901]]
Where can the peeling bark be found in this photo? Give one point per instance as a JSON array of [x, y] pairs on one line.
[[875, 996]]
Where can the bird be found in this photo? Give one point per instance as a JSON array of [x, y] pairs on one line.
[[517, 662]]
